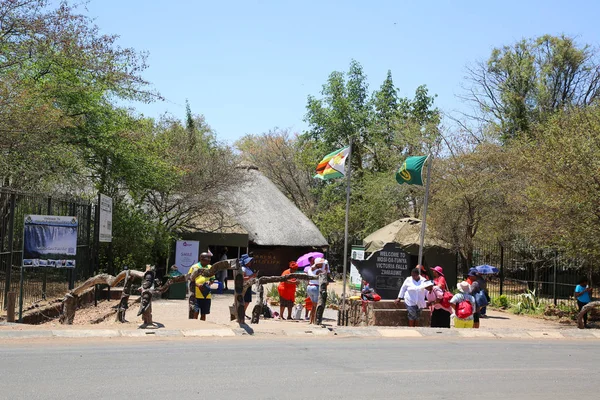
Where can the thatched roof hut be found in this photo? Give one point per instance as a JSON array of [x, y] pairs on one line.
[[269, 217], [257, 217]]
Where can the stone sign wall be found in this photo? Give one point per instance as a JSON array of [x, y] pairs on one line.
[[385, 270]]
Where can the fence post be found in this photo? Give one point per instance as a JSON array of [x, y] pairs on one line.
[[501, 269], [45, 275], [11, 236], [10, 309], [554, 279]]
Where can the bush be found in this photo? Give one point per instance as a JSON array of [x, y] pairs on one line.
[[272, 292], [528, 303], [501, 302]]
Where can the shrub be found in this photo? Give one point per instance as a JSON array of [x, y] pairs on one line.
[[501, 302], [528, 303]]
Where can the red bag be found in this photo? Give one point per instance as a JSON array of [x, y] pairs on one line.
[[445, 302], [464, 309], [376, 297]]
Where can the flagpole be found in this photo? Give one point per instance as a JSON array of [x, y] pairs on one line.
[[425, 204], [345, 269]]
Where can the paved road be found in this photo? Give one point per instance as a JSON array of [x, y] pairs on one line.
[[300, 369]]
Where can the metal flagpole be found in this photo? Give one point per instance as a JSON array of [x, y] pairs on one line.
[[425, 203], [348, 171]]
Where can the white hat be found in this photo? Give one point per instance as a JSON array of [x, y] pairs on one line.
[[464, 287], [319, 261], [428, 284]]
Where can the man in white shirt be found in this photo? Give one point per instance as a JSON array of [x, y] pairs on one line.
[[413, 293]]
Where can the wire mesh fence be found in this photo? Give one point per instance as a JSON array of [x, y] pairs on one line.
[[546, 273], [38, 282]]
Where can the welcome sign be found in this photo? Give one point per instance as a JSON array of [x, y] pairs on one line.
[[386, 270], [49, 241]]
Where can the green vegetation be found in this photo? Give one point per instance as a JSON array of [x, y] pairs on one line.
[[63, 130], [521, 167]]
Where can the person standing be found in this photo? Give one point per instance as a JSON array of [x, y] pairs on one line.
[[222, 275], [202, 291], [464, 306], [312, 290], [583, 296], [413, 293], [439, 279], [480, 303], [287, 291], [440, 315], [246, 262]]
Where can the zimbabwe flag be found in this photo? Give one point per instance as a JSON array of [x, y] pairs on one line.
[[333, 165]]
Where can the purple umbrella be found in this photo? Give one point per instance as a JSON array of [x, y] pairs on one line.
[[303, 260]]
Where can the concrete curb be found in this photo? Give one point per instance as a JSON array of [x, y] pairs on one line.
[[354, 332]]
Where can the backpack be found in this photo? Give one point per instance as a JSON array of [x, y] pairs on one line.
[[464, 309], [480, 299], [445, 302], [267, 312]]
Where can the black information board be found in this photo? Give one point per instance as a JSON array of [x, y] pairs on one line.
[[386, 270]]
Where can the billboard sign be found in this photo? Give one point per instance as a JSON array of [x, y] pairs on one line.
[[105, 227], [49, 241], [186, 254]]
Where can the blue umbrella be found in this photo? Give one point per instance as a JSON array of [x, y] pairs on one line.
[[487, 270]]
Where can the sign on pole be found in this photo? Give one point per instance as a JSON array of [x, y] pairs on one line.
[[105, 226], [186, 254], [49, 241]]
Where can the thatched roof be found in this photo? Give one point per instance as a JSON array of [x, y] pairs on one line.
[[406, 232], [256, 207], [269, 217]]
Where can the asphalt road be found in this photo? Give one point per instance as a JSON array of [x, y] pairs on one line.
[[301, 369]]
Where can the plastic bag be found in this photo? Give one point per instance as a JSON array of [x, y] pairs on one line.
[[297, 312]]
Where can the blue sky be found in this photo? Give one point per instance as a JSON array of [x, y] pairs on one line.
[[249, 66]]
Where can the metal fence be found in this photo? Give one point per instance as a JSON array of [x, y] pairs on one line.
[[41, 283], [546, 272]]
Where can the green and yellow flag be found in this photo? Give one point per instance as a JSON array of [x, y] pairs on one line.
[[411, 172], [333, 165]]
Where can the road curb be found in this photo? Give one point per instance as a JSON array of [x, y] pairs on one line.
[[354, 332]]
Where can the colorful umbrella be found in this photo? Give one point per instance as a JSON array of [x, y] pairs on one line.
[[303, 260], [487, 270]]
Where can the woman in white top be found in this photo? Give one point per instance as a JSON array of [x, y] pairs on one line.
[[312, 290]]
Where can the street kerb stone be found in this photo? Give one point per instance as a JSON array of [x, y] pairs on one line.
[[25, 334], [545, 335], [596, 333], [399, 333], [208, 333], [512, 334], [138, 333], [88, 333], [309, 332], [362, 332], [475, 333], [165, 333], [579, 334], [440, 332]]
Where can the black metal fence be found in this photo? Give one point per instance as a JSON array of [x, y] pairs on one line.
[[524, 269], [39, 282]]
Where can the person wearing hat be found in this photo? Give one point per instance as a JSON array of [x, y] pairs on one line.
[[464, 306], [246, 263], [438, 278], [201, 285], [475, 276], [440, 315], [413, 293], [312, 290], [287, 291]]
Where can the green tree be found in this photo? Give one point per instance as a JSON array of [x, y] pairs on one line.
[[526, 82]]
